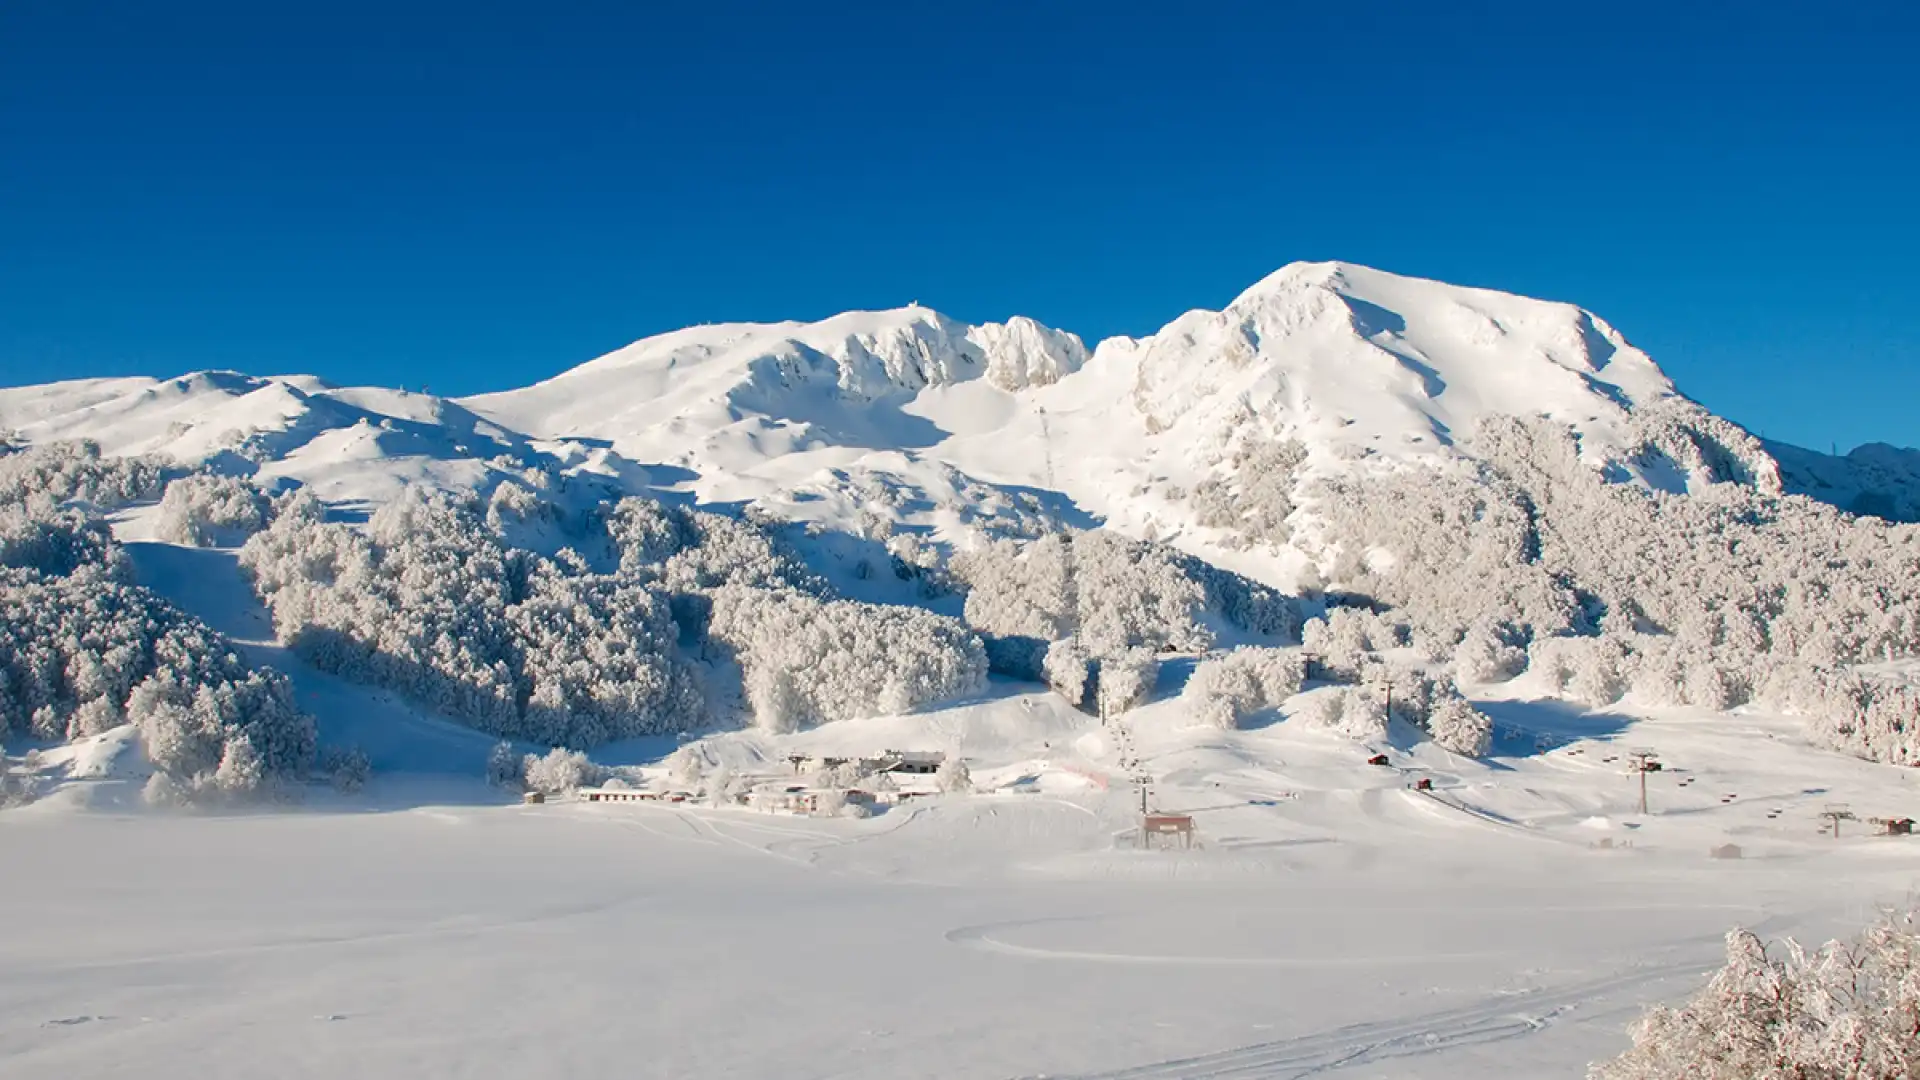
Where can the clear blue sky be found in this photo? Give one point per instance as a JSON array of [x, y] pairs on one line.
[[476, 196]]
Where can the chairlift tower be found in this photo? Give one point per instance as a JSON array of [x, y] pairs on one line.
[[1837, 813], [1644, 762]]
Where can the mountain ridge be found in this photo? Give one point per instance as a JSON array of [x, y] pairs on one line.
[[1360, 367]]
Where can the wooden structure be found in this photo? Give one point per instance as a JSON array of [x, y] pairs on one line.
[[1893, 826], [1725, 851], [1166, 825], [533, 798], [1378, 759]]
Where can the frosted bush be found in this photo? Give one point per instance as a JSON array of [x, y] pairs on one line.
[[347, 767], [204, 510], [83, 652], [57, 543], [1847, 1011], [1687, 598], [1484, 656]]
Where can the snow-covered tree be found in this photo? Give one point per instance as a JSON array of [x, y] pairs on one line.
[[46, 475], [1069, 670], [1848, 1011], [1454, 724], [1228, 689], [1127, 680], [953, 776], [204, 510], [559, 771]]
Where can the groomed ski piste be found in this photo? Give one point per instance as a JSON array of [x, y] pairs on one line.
[[1332, 919]]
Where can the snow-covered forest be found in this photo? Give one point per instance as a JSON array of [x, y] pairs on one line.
[[83, 649]]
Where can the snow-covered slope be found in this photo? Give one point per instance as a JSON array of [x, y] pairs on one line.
[[1873, 479]]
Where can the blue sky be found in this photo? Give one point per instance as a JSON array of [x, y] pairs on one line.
[[475, 196]]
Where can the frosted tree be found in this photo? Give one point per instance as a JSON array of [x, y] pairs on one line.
[[1127, 680], [1848, 1011], [49, 474], [204, 510], [559, 771], [1069, 670], [953, 776], [1455, 725], [1230, 688]]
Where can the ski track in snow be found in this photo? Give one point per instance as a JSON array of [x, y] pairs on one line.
[[1494, 1020]]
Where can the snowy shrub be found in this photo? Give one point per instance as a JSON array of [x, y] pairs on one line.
[[1068, 669], [831, 802], [1411, 693], [347, 767], [1847, 1011], [559, 771], [953, 776], [693, 549], [807, 661], [45, 476], [204, 510], [1455, 725], [1127, 680], [431, 603]]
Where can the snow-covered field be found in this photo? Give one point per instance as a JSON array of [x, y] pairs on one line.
[[1355, 929]]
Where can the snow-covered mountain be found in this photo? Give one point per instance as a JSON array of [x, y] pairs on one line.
[[937, 425]]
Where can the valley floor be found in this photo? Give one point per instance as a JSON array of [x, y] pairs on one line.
[[1364, 931]]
